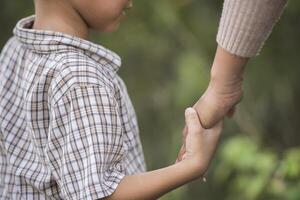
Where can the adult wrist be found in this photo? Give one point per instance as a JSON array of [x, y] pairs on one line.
[[227, 66]]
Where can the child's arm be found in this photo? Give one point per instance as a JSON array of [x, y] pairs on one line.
[[200, 145], [153, 184], [224, 90]]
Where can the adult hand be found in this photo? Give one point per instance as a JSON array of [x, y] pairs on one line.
[[224, 90], [218, 101]]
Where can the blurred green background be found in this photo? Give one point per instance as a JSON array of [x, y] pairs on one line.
[[167, 48]]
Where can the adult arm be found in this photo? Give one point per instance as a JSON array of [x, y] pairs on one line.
[[244, 27], [246, 24]]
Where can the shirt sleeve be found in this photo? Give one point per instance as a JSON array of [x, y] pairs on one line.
[[246, 24], [86, 148]]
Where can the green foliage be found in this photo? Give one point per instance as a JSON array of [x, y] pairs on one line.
[[253, 172], [167, 47]]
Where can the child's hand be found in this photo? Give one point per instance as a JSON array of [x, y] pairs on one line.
[[199, 144]]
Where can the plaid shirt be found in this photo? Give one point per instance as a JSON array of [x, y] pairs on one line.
[[67, 126]]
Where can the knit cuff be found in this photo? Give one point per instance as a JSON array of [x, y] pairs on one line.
[[246, 24]]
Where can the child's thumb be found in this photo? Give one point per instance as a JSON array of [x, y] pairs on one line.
[[192, 120]]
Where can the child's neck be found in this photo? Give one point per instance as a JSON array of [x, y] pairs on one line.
[[60, 17]]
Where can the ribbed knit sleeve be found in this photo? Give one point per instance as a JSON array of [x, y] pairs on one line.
[[246, 24]]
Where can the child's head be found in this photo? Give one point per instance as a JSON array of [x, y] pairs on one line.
[[100, 15], [103, 15]]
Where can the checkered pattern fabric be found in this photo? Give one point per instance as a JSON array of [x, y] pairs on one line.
[[67, 126]]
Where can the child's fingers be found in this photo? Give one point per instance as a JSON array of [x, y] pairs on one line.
[[192, 121], [182, 149], [185, 132], [184, 135], [231, 112], [180, 154]]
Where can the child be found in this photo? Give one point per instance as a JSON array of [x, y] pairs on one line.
[[67, 126]]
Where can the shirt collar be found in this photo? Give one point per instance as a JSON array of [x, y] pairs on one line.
[[44, 41]]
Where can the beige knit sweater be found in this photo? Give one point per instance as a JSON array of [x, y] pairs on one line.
[[246, 24]]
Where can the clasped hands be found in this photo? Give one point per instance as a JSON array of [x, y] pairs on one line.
[[206, 118]]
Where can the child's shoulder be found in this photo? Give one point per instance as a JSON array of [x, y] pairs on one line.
[[75, 68], [10, 50]]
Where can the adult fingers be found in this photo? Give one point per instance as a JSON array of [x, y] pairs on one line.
[[231, 112], [214, 133]]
